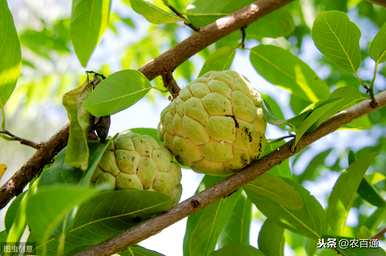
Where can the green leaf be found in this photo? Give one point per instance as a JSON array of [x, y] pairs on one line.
[[10, 61], [237, 229], [203, 12], [311, 171], [52, 37], [361, 123], [47, 208], [77, 152], [89, 19], [276, 24], [97, 149], [221, 59], [137, 250], [370, 194], [59, 172], [203, 227], [287, 203], [282, 169], [362, 251], [338, 39], [237, 249], [297, 104], [273, 107], [378, 46], [271, 238], [154, 11], [3, 236], [12, 210], [106, 215], [277, 190], [344, 192], [15, 220], [119, 91], [377, 218], [340, 99], [282, 68]]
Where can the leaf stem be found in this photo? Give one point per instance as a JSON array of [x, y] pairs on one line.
[[171, 84], [243, 37], [373, 103], [185, 20]]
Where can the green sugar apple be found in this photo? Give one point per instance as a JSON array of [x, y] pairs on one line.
[[135, 161], [216, 124]]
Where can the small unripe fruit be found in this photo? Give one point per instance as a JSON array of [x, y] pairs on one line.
[[216, 124], [135, 161]]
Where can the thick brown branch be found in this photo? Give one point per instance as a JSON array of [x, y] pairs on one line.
[[165, 63], [203, 199], [172, 58], [380, 234], [33, 166], [12, 137]]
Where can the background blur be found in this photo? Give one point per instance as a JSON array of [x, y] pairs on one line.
[[50, 68]]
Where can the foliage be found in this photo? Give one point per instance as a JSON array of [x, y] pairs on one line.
[[326, 55]]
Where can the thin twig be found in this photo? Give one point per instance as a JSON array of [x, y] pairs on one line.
[[229, 185], [243, 37], [7, 135], [371, 87], [379, 235], [171, 84], [185, 20]]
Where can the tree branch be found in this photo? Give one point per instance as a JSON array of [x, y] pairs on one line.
[[224, 188], [379, 2], [186, 21], [165, 63], [7, 135], [379, 235], [172, 58]]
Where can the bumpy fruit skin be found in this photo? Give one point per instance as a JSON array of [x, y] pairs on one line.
[[216, 124], [135, 161]]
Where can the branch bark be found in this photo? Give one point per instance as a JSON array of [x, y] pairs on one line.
[[226, 187], [164, 64], [379, 2]]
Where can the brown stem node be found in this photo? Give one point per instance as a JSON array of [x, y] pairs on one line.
[[171, 84]]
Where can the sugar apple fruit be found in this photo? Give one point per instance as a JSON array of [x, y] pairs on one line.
[[135, 161], [216, 124]]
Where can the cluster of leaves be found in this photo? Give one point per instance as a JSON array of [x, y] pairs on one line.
[[65, 214]]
